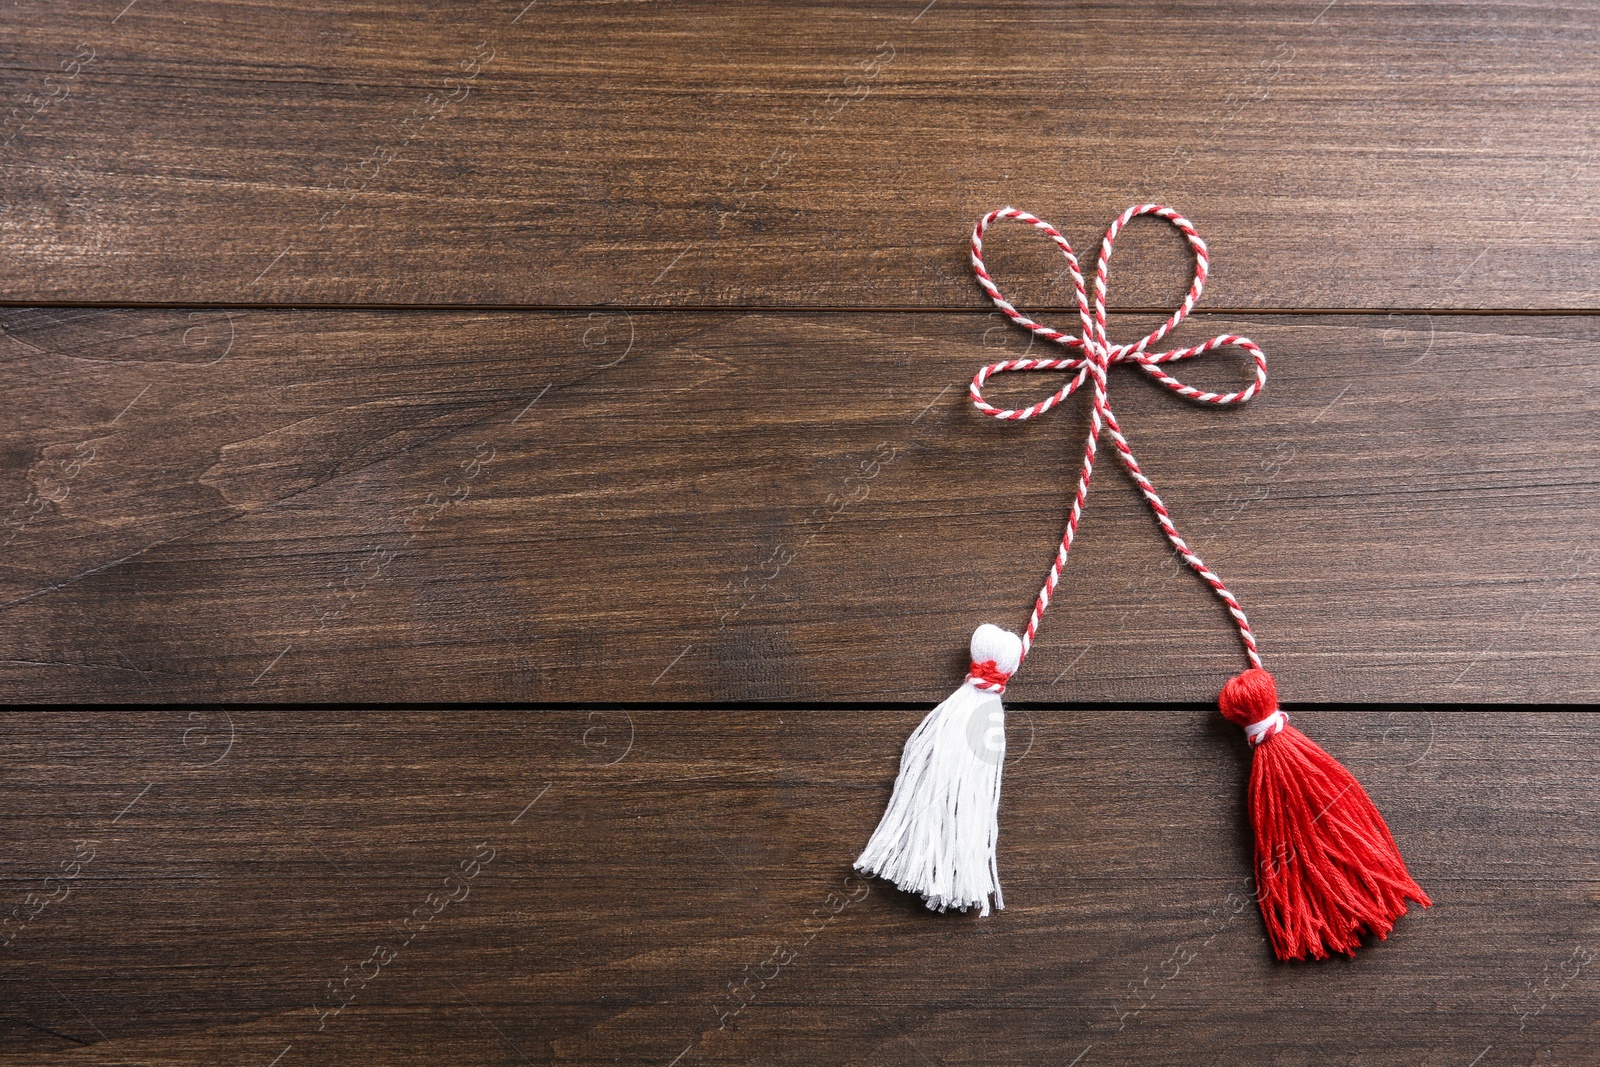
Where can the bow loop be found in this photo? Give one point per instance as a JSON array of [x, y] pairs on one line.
[[1151, 365], [1202, 264]]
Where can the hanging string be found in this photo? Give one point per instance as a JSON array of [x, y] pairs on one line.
[[1098, 355]]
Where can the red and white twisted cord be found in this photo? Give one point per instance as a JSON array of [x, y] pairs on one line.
[[1098, 354]]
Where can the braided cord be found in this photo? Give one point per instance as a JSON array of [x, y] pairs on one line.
[[1097, 354]]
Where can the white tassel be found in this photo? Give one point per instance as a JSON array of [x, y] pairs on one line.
[[938, 836]]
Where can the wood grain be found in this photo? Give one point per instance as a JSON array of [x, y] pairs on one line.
[[1370, 155], [646, 863], [385, 506], [783, 506], [680, 459]]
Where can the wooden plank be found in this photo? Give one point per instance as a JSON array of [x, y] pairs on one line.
[[1347, 155], [639, 871], [403, 506]]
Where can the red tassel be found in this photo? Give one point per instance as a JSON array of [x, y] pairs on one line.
[[1327, 868]]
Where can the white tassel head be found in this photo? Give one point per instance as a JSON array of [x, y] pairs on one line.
[[1000, 650], [939, 833]]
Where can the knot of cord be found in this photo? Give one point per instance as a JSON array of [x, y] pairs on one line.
[[1271, 726], [988, 676]]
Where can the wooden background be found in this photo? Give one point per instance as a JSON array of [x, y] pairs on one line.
[[530, 440]]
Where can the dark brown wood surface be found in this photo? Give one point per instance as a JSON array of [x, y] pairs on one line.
[[1337, 155], [609, 359], [230, 867], [381, 506]]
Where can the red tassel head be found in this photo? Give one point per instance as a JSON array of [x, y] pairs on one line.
[[1327, 868], [1249, 698]]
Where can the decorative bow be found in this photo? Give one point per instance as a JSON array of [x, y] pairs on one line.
[[1098, 354]]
